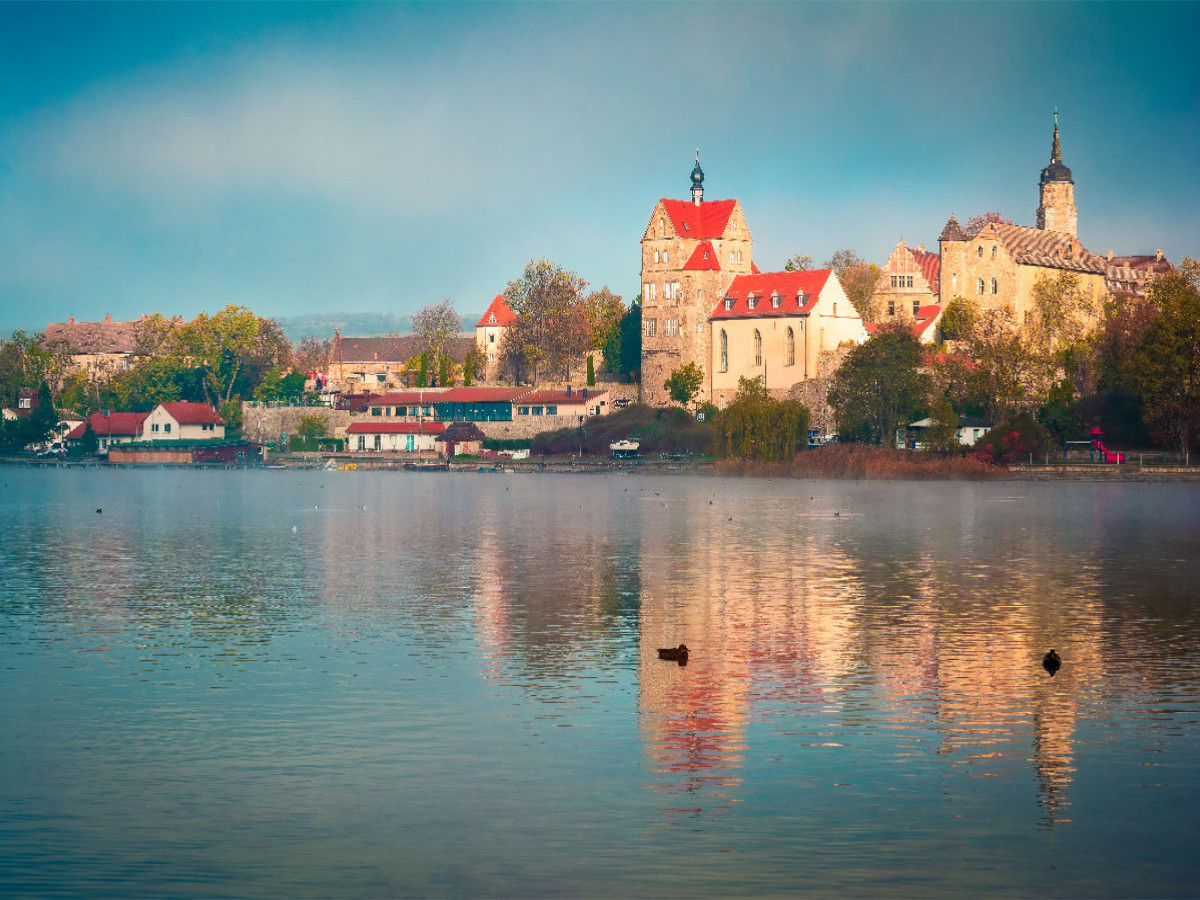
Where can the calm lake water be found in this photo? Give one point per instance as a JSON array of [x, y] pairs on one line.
[[363, 684]]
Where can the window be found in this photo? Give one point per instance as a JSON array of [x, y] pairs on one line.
[[522, 410], [751, 301], [167, 427], [891, 307], [154, 427], [993, 251], [979, 286], [732, 257], [377, 410], [757, 347], [979, 251], [916, 307], [790, 349], [25, 403], [995, 286], [908, 281], [651, 327], [410, 442], [379, 442], [552, 410], [724, 351], [671, 327], [362, 442], [491, 339], [729, 303], [671, 291], [775, 301], [801, 298], [656, 257], [535, 410], [492, 319]]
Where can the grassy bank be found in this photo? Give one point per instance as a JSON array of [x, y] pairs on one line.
[[867, 462]]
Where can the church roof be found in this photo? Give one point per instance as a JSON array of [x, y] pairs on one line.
[[703, 259], [497, 313], [798, 293], [1050, 249], [704, 221]]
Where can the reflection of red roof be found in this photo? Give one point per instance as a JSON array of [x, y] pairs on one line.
[[704, 222], [192, 413], [562, 397], [703, 258], [498, 313], [117, 424], [787, 285], [480, 395], [396, 428]]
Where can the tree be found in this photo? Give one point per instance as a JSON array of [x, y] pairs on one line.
[[631, 340], [312, 425], [975, 224], [26, 360], [551, 326], [757, 426], [859, 279], [1003, 368], [684, 383], [604, 313], [1015, 439], [958, 320], [232, 348], [311, 354], [799, 263], [879, 386], [423, 371], [474, 364], [90, 443], [591, 371], [44, 418], [1062, 313], [1168, 362], [943, 428], [434, 326]]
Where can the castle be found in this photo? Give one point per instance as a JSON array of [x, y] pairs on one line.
[[705, 302]]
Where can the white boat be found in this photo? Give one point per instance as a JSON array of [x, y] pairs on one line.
[[625, 449]]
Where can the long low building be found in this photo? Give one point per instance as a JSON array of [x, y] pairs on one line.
[[488, 404]]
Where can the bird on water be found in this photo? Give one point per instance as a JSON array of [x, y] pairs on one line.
[[679, 654], [1052, 662]]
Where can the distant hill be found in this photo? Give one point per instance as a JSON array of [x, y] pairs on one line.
[[321, 325]]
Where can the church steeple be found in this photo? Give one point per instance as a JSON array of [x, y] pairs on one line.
[[1056, 192], [697, 181]]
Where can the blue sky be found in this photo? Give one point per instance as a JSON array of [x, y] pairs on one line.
[[321, 158]]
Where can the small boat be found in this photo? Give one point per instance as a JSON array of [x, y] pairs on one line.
[[624, 449]]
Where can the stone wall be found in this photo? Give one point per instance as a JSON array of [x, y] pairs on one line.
[[263, 424]]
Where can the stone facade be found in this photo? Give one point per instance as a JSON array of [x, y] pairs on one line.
[[266, 424], [909, 282]]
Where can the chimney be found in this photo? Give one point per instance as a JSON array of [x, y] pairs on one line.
[[107, 318], [1110, 256], [920, 248], [1158, 256], [71, 320]]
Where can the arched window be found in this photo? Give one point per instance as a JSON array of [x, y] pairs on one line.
[[979, 251], [656, 257], [993, 251], [994, 285], [791, 348], [724, 351], [979, 286], [757, 347]]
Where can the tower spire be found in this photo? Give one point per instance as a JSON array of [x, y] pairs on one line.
[[697, 181], [1055, 150]]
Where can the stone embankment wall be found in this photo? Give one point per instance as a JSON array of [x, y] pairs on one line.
[[263, 424]]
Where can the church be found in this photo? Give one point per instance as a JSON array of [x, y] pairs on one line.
[[705, 302]]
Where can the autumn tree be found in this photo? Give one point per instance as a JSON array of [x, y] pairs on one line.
[[879, 386], [757, 426], [976, 224], [604, 313], [684, 383], [435, 325], [1167, 362], [957, 321], [1002, 367], [942, 436], [26, 360], [311, 354], [551, 327], [859, 279]]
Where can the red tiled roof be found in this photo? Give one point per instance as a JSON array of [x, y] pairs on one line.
[[481, 395], [703, 259], [931, 266], [117, 424], [704, 222], [925, 318], [786, 284], [193, 413], [500, 310], [754, 270], [403, 398], [396, 428], [576, 397]]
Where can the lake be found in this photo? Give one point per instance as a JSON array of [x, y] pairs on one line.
[[364, 684]]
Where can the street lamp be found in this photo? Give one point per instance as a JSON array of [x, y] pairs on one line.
[[581, 437]]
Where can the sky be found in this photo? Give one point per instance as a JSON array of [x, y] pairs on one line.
[[316, 157]]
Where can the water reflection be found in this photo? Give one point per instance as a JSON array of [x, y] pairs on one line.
[[864, 670]]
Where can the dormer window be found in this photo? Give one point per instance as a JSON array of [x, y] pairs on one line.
[[492, 319], [775, 301], [706, 254], [801, 298], [751, 301], [728, 303]]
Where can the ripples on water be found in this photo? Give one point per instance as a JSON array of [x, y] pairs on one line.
[[280, 683]]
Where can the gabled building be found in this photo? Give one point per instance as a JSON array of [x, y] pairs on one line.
[[102, 350], [774, 326], [699, 283], [909, 281], [183, 422], [489, 333], [111, 428], [1130, 276]]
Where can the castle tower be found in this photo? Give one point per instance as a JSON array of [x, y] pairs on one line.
[[691, 252], [1056, 193]]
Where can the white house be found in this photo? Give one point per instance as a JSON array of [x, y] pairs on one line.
[[393, 437], [183, 422]]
